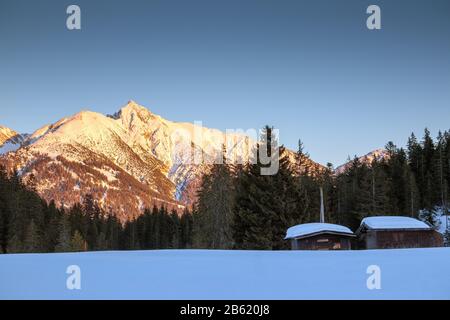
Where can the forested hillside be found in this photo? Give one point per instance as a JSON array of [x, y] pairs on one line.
[[29, 224]]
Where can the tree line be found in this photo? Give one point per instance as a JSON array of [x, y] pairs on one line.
[[30, 224]]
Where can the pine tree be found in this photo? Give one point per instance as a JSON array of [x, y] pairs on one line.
[[175, 230], [101, 242], [52, 218], [77, 243], [18, 221], [92, 235], [251, 220], [32, 242], [129, 236], [380, 189], [113, 232], [415, 157], [259, 210], [412, 195], [215, 207], [285, 201], [3, 226], [154, 229], [186, 226], [355, 191], [305, 186], [64, 237], [441, 169], [429, 177], [164, 229], [4, 210]]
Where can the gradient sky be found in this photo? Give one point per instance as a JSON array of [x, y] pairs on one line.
[[310, 68]]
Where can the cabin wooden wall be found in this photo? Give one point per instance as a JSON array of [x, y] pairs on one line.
[[322, 242], [386, 239]]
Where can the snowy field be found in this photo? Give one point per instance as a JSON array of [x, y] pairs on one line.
[[207, 274]]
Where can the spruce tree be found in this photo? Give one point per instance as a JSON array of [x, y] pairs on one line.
[[52, 218], [285, 200], [64, 237], [32, 241], [254, 209], [186, 226], [175, 230], [77, 243], [113, 232], [154, 228], [215, 207]]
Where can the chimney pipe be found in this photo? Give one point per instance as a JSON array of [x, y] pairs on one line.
[[322, 210]]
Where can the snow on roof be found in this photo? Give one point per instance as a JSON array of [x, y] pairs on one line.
[[305, 229], [393, 222]]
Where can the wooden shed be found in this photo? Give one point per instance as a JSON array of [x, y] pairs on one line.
[[386, 232], [320, 236]]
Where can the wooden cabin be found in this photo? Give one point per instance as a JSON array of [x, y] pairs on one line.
[[387, 232], [320, 236]]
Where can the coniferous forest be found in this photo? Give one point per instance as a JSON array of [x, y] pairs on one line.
[[237, 207]]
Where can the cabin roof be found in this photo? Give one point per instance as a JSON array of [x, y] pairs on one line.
[[309, 229], [392, 223]]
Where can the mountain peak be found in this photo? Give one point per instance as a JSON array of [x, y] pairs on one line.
[[6, 133], [134, 106], [10, 140], [129, 161], [368, 158], [6, 129]]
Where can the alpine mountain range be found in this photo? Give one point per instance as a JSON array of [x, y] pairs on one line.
[[127, 161]]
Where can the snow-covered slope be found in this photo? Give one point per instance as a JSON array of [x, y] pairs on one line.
[[128, 161], [6, 134], [178, 145], [377, 154], [228, 275], [91, 153], [10, 140]]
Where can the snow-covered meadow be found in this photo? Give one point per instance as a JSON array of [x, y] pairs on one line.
[[208, 274]]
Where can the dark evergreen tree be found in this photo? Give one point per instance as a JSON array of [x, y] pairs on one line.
[[265, 204], [186, 229], [32, 241], [64, 237], [215, 207], [77, 242]]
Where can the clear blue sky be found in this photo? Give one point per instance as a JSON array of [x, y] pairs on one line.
[[310, 68]]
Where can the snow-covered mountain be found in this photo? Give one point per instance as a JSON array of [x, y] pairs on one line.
[[127, 161], [10, 140], [368, 158]]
